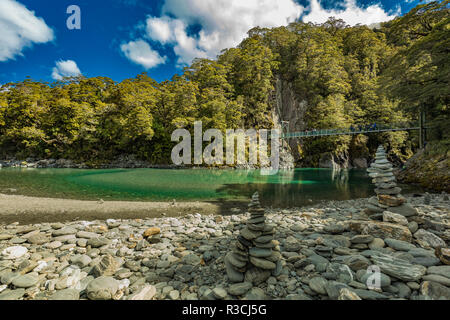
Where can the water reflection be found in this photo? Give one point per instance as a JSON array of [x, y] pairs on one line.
[[289, 188], [305, 186]]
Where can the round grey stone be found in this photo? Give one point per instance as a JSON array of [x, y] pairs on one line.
[[318, 284], [102, 288], [239, 289], [174, 294], [220, 293], [25, 281]]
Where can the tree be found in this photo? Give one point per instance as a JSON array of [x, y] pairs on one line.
[[419, 73]]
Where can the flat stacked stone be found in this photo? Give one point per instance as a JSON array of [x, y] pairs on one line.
[[388, 193], [254, 248]]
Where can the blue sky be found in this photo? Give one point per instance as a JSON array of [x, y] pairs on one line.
[[122, 38]]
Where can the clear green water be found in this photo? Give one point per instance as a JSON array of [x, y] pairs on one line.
[[286, 189]]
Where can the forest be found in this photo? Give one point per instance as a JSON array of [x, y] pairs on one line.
[[349, 76]]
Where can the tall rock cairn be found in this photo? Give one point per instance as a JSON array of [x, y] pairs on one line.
[[254, 256], [388, 193]]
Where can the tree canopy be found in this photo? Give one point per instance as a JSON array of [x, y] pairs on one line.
[[347, 75]]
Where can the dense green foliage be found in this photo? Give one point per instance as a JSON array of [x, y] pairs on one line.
[[347, 76]]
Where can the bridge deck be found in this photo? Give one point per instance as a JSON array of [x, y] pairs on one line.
[[337, 132]]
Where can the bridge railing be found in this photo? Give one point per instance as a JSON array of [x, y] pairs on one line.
[[349, 131]]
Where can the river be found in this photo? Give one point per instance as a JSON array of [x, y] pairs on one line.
[[292, 188]]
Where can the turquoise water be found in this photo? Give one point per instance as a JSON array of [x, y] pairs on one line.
[[287, 188]]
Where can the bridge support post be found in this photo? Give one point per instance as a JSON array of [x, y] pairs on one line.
[[422, 131]]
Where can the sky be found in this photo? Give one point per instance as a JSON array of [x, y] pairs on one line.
[[49, 39]]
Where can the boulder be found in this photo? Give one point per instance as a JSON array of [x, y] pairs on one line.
[[427, 239], [102, 288], [398, 268], [107, 266], [387, 230], [394, 218]]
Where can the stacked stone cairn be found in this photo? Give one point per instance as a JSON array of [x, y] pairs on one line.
[[255, 255], [388, 193]]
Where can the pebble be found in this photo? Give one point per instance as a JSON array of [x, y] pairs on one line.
[[97, 242], [220, 293], [318, 284], [239, 289], [346, 294], [377, 243], [317, 253], [146, 293], [174, 294], [15, 252], [413, 226], [38, 239], [53, 245], [64, 231]]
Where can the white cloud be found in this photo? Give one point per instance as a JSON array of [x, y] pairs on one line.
[[224, 23], [140, 53], [20, 28], [351, 14], [67, 68], [161, 29]]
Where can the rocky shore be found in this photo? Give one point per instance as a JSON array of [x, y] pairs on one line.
[[127, 162], [429, 168], [122, 162], [327, 251]]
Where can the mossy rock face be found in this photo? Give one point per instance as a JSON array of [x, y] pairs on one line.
[[430, 170]]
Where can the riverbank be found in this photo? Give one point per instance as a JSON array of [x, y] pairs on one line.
[[123, 162], [429, 168], [26, 210], [325, 251]]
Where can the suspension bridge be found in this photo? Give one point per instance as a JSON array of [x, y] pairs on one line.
[[336, 132], [375, 128]]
